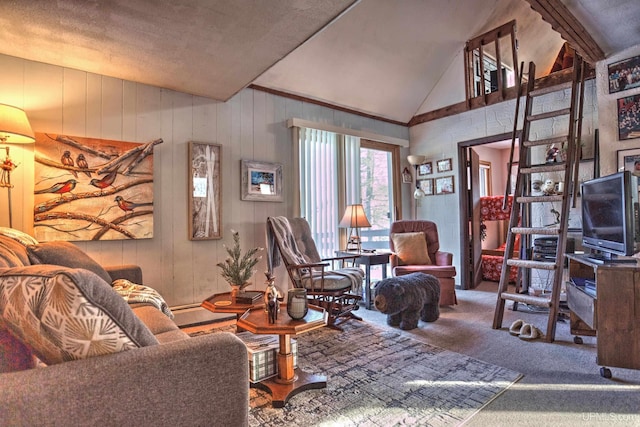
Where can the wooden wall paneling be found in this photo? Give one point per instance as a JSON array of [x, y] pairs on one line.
[[248, 149], [148, 252], [204, 252], [229, 196], [129, 112], [183, 247], [263, 151], [74, 98], [43, 83], [165, 275]]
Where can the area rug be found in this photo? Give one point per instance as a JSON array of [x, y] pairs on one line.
[[378, 377]]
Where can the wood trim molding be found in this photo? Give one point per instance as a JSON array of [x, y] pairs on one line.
[[301, 123], [562, 20], [324, 104], [550, 80]]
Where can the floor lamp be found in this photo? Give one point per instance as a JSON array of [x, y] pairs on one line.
[[415, 161], [14, 129]]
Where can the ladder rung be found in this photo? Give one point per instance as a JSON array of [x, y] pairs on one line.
[[527, 263], [549, 141], [535, 199], [527, 299], [550, 167], [551, 89], [547, 231], [549, 114]]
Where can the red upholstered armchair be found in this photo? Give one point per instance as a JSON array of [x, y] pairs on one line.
[[408, 255]]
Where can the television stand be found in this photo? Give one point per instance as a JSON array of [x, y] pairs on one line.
[[610, 314], [605, 258]]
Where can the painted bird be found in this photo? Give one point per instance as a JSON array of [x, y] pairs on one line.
[[129, 206], [105, 181], [59, 188], [68, 161], [82, 164]]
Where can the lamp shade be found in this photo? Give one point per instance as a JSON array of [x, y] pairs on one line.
[[14, 126], [354, 217], [415, 159]]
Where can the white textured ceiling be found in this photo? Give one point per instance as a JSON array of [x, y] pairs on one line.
[[392, 59]]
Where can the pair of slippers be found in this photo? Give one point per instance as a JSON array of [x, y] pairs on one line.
[[524, 330]]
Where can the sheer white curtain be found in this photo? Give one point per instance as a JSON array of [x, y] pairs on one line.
[[329, 175]]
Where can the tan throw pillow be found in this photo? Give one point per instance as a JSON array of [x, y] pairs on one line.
[[411, 248]]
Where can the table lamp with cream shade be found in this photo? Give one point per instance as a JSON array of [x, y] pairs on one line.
[[14, 129], [354, 218]]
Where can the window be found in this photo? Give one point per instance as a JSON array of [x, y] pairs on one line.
[[485, 178]]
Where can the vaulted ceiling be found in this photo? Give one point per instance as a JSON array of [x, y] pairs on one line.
[[392, 59]]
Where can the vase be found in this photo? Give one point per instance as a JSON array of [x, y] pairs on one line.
[[235, 291], [297, 306]]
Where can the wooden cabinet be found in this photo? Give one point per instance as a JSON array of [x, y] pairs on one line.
[[613, 315]]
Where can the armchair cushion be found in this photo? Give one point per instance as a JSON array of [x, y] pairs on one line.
[[411, 248], [67, 255], [67, 314]]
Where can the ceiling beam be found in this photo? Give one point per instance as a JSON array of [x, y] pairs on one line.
[[562, 20]]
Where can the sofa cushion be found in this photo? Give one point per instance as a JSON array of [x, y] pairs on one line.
[[14, 355], [66, 314], [67, 255], [12, 253], [411, 248]]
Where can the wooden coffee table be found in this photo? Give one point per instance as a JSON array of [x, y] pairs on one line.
[[289, 381]]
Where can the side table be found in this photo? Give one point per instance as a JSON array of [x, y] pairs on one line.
[[223, 303], [289, 381], [368, 259]]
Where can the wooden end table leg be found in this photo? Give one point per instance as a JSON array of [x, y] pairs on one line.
[[288, 383]]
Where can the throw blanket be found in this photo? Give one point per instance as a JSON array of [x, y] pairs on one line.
[[281, 232], [135, 294]]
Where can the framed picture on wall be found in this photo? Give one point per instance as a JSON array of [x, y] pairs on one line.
[[622, 75], [444, 185], [629, 117], [425, 169], [261, 181], [629, 160], [426, 185], [204, 191], [444, 165]]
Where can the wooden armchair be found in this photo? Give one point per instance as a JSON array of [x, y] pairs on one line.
[[336, 290], [408, 255]]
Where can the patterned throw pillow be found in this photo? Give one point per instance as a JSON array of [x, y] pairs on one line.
[[67, 255], [67, 314], [411, 248]]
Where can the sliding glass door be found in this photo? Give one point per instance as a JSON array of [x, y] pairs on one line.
[[340, 170]]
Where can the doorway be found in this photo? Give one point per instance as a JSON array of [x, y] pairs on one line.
[[380, 192], [494, 150]]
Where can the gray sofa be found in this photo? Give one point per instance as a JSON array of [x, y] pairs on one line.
[[177, 380]]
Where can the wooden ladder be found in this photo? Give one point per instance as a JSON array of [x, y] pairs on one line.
[[534, 161]]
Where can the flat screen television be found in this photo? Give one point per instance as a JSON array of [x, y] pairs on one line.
[[610, 218]]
